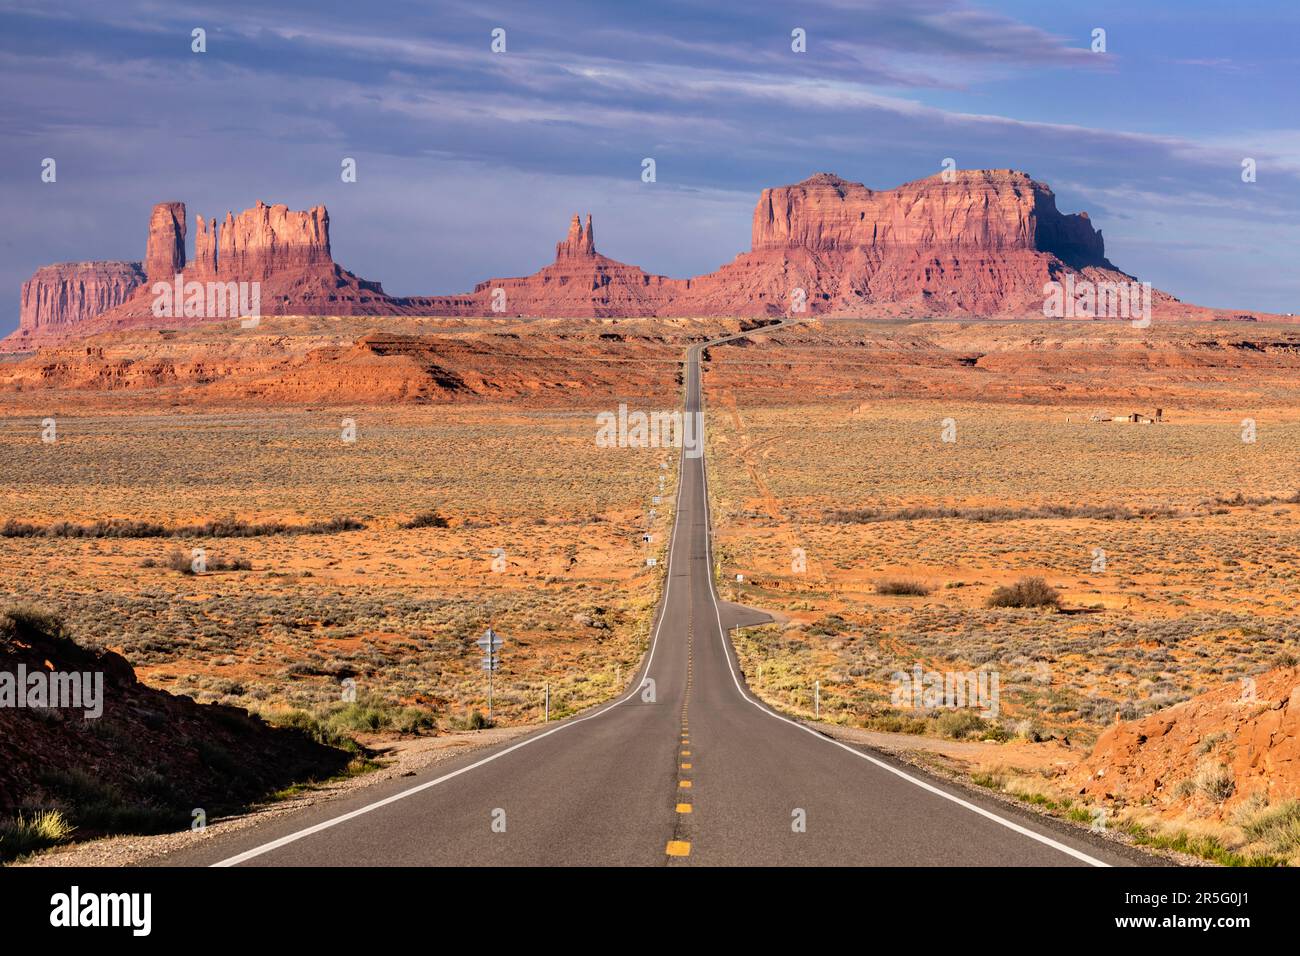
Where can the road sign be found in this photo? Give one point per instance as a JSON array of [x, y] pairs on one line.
[[491, 642]]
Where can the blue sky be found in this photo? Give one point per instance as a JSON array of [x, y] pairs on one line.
[[470, 163]]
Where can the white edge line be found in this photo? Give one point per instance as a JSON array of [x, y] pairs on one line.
[[722, 632], [645, 671]]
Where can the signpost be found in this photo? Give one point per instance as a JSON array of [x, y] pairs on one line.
[[491, 643]]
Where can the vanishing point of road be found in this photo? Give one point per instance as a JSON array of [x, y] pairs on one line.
[[704, 774]]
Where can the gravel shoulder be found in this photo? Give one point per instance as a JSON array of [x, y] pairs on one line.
[[399, 756]]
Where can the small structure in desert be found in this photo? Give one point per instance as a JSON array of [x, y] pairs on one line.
[[1133, 418]]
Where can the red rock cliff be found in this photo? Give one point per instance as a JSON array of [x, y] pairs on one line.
[[165, 252], [264, 240], [579, 283], [580, 242], [983, 244], [58, 298], [995, 209], [286, 252]]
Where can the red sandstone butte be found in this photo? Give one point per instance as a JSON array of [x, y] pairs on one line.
[[580, 283], [286, 251], [979, 243], [59, 299], [165, 252], [983, 243]]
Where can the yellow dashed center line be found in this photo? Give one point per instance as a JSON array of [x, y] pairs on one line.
[[683, 847]]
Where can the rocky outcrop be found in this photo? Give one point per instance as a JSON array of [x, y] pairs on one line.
[[1243, 737], [980, 243], [165, 252], [58, 299], [986, 210], [580, 243], [205, 247], [44, 751], [268, 240], [983, 243], [285, 252], [261, 242], [580, 283]]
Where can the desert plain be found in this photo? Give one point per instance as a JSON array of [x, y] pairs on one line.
[[370, 494]]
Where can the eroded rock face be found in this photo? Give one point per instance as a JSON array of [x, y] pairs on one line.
[[580, 283], [1253, 727], [580, 243], [286, 252], [266, 240], [57, 299], [985, 243], [998, 209], [165, 253]]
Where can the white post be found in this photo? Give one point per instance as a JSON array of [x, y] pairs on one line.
[[817, 699], [548, 703]]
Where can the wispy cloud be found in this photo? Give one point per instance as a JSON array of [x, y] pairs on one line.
[[716, 95]]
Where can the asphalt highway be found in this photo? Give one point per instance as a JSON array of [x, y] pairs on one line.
[[697, 773]]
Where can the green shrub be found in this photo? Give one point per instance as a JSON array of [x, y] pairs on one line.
[[960, 724], [1278, 828], [22, 834]]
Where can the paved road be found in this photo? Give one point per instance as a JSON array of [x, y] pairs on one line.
[[701, 775]]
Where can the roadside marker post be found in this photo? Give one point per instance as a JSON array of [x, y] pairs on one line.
[[491, 643], [817, 699]]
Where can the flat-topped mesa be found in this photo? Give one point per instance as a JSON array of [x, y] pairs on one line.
[[58, 298], [165, 253], [989, 209], [579, 242]]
